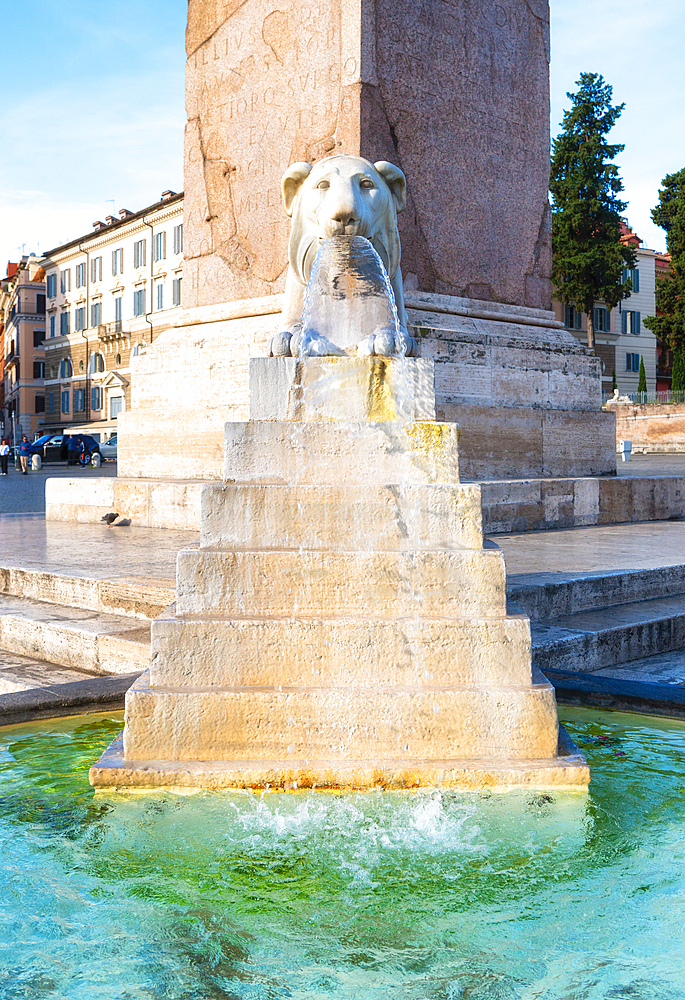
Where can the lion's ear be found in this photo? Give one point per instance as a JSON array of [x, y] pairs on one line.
[[396, 181], [291, 182]]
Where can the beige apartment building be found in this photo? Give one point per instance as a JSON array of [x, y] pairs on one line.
[[109, 294], [22, 305], [621, 338]]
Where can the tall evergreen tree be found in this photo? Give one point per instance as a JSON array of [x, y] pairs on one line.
[[669, 323], [642, 377], [589, 258]]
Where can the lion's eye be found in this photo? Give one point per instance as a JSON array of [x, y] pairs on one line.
[[323, 185], [367, 183]]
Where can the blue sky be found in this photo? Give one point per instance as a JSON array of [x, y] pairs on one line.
[[92, 115]]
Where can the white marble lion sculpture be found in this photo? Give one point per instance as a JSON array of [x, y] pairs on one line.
[[341, 195]]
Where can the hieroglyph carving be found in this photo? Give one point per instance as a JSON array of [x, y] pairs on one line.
[[341, 196]]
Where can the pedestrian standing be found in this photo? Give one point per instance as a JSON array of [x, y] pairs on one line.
[[24, 453], [72, 450], [4, 455]]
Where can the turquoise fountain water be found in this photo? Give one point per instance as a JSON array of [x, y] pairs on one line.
[[412, 896]]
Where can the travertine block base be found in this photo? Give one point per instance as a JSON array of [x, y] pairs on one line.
[[270, 451], [329, 517], [341, 389], [567, 771], [353, 722], [369, 623], [403, 653], [379, 584]]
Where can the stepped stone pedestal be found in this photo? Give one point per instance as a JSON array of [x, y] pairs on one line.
[[342, 624]]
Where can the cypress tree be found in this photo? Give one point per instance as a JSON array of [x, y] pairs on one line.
[[669, 323], [614, 383], [642, 377], [588, 257]]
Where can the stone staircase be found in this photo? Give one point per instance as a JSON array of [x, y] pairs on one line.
[[598, 622], [58, 629]]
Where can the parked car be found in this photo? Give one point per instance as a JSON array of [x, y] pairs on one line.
[[108, 449], [53, 447]]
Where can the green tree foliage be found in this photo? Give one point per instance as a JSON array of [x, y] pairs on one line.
[[589, 258], [669, 323], [642, 377], [678, 379]]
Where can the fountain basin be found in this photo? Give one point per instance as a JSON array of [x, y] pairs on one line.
[[426, 894]]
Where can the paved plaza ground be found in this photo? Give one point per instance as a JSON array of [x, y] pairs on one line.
[[26, 494]]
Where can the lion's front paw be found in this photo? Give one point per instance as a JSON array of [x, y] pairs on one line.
[[313, 345], [386, 343], [279, 345]]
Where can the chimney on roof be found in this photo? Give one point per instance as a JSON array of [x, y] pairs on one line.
[[124, 213], [167, 194], [99, 225], [110, 220]]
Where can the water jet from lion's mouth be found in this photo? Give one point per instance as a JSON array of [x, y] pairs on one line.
[[349, 301]]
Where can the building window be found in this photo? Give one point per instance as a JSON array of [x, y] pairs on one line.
[[65, 400], [139, 253], [176, 291], [160, 294], [80, 275], [95, 313], [118, 360], [52, 325], [51, 402], [178, 239], [632, 362], [65, 281], [80, 318], [139, 302], [96, 269], [96, 363], [634, 275], [137, 349], [39, 369], [38, 338], [116, 405], [159, 246], [117, 261], [117, 309], [631, 322], [79, 400], [40, 303], [602, 320], [39, 404], [95, 397], [66, 369], [64, 326], [51, 285]]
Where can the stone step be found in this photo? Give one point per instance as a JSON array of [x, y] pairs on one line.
[[267, 723], [82, 640], [319, 452], [260, 652], [23, 673], [450, 584], [135, 597], [590, 640], [341, 517], [545, 595]]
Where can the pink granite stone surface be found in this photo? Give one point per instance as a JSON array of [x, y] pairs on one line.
[[455, 92]]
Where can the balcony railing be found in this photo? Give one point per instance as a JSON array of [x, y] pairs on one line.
[[668, 396], [107, 330]]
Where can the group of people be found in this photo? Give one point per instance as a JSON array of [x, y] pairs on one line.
[[75, 448], [23, 451]]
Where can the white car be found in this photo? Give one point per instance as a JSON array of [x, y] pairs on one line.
[[108, 449]]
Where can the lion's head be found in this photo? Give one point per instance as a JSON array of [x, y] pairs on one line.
[[343, 195]]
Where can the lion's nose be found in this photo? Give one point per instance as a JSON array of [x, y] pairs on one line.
[[343, 221]]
